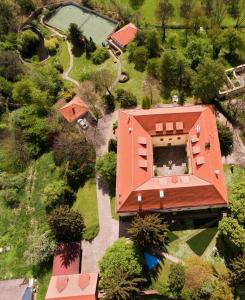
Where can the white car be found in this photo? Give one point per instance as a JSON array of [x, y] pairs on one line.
[[82, 123]]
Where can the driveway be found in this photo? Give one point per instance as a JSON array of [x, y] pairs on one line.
[[109, 228]]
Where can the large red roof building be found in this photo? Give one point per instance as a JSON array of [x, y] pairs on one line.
[[169, 159]]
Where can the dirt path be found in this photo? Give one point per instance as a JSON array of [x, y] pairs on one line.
[[119, 68], [109, 228], [65, 74], [237, 156]]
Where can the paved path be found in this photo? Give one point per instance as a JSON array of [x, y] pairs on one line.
[[109, 228], [65, 74], [172, 258]]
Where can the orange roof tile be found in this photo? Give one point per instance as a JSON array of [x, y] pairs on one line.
[[125, 35], [74, 109], [202, 187], [73, 287]]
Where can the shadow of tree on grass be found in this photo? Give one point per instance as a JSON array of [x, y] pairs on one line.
[[200, 241]]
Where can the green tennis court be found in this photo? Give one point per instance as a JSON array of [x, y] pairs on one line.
[[91, 24]]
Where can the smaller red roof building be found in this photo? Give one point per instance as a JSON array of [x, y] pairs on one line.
[[73, 287], [74, 109], [66, 259], [124, 35]]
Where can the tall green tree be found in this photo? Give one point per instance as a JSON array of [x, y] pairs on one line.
[[232, 41], [28, 42], [123, 256], [148, 231], [10, 65], [67, 225], [152, 44], [208, 80], [164, 12], [122, 286], [176, 277], [238, 269], [75, 35], [8, 17]]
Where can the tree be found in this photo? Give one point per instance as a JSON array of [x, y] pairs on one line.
[[152, 44], [232, 41], [208, 80], [126, 99], [28, 42], [103, 80], [87, 92], [236, 9], [140, 57], [106, 167], [164, 12], [236, 202], [197, 19], [57, 193], [148, 231], [75, 35], [218, 12], [197, 49], [10, 65], [152, 67], [150, 88], [186, 7], [24, 92], [238, 269], [221, 291], [8, 17], [232, 234], [225, 139], [100, 55], [123, 256], [27, 6], [122, 286], [197, 272], [176, 277], [67, 225], [146, 103], [40, 246]]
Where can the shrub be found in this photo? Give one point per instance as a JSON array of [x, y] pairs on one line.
[[57, 193], [146, 103], [176, 277], [10, 197], [112, 145], [225, 139], [52, 45], [126, 99], [100, 55], [28, 42], [121, 255], [106, 167]]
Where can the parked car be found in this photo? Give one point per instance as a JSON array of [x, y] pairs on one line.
[[82, 123]]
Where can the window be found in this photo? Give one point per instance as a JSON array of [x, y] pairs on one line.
[[178, 137], [161, 140], [170, 139]]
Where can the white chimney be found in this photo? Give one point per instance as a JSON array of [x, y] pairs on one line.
[[161, 194], [139, 198]]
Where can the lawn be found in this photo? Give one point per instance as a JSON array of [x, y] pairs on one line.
[[236, 177], [83, 67], [16, 224], [86, 204], [43, 283]]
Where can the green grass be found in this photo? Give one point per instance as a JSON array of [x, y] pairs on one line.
[[236, 177], [63, 55], [134, 84], [86, 204], [83, 67], [113, 209], [16, 224]]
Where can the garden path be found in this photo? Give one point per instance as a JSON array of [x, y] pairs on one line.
[[109, 228], [119, 68], [65, 74]]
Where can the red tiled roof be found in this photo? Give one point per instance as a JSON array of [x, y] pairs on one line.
[[66, 259], [200, 188], [74, 109], [125, 35], [76, 287]]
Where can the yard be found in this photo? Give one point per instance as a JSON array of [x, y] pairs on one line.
[[86, 204], [84, 67], [189, 241]]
